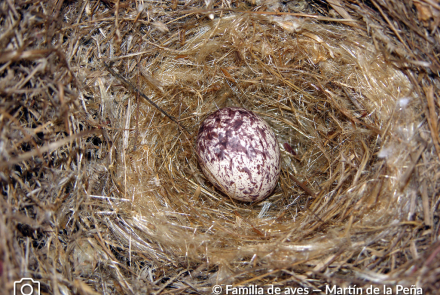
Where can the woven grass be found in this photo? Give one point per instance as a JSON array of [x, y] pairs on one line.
[[100, 107]]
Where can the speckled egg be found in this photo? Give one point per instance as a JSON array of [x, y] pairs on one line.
[[239, 153]]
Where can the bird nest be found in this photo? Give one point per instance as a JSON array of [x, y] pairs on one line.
[[102, 192]]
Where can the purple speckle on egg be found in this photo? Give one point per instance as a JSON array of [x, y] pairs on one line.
[[238, 152]]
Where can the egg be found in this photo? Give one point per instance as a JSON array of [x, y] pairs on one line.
[[239, 153]]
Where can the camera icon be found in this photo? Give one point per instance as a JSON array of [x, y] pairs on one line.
[[26, 286]]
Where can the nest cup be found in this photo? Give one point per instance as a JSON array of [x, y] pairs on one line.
[[128, 209], [327, 94]]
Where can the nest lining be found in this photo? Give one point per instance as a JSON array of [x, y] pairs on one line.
[[332, 154]]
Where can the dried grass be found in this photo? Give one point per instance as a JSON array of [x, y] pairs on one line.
[[102, 193]]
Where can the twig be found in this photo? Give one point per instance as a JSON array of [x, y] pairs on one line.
[[136, 133], [432, 118], [406, 176], [349, 116], [304, 187], [391, 26], [321, 18], [134, 89]]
